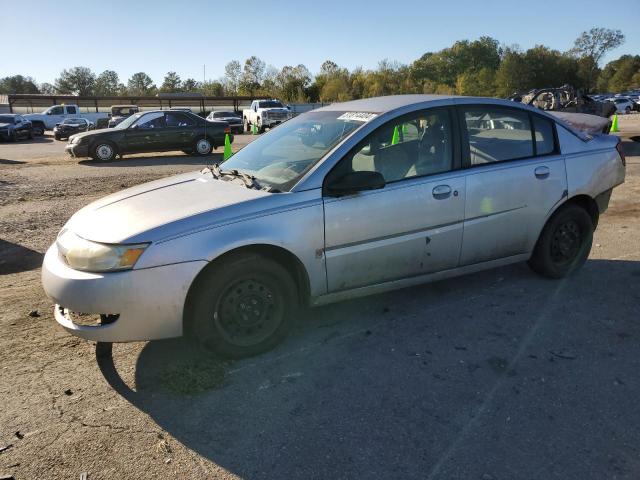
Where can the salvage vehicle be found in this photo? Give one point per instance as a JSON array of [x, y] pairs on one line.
[[383, 193], [153, 131], [622, 104], [71, 126], [120, 112], [564, 99], [14, 127], [265, 114], [233, 119], [48, 119]]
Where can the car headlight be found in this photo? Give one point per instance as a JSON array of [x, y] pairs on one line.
[[88, 256]]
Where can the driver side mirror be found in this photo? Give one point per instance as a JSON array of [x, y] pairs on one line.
[[354, 182]]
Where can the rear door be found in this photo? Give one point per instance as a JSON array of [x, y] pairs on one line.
[[413, 225], [515, 176]]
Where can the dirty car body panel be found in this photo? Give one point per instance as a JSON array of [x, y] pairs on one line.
[[450, 204]]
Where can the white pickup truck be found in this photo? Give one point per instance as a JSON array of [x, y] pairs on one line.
[[56, 114], [265, 114]]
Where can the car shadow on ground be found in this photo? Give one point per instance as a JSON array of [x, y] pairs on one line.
[[15, 258], [499, 374], [178, 159]]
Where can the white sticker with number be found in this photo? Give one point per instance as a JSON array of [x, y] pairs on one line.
[[357, 116]]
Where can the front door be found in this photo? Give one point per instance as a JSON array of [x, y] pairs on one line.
[[410, 227], [515, 176], [145, 134]]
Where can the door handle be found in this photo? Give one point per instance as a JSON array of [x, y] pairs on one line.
[[541, 172], [441, 192]]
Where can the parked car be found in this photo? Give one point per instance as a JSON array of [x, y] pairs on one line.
[[348, 200], [564, 99], [48, 119], [265, 114], [233, 119], [71, 126], [622, 104], [120, 112], [14, 127], [153, 131]]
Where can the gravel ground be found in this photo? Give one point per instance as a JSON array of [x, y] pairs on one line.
[[497, 375]]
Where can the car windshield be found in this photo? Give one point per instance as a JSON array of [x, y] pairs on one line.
[[128, 121], [6, 119], [121, 111], [282, 156], [270, 104], [224, 114]]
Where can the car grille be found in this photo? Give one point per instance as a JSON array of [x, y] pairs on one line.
[[277, 115]]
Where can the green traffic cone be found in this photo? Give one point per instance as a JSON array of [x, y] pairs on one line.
[[227, 148], [254, 129], [396, 136], [614, 124]]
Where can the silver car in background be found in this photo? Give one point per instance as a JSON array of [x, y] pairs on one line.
[[347, 200]]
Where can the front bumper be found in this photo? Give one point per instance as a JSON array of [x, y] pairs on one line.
[[77, 150], [149, 302]]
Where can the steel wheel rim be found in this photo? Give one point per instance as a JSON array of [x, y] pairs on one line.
[[203, 146], [248, 312], [566, 242], [104, 152]]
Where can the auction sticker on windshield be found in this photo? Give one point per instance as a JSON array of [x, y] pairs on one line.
[[357, 116]]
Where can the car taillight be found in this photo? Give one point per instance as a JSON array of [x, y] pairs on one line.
[[621, 153], [227, 130]]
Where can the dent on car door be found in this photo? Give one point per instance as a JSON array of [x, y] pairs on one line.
[[513, 182], [410, 227]]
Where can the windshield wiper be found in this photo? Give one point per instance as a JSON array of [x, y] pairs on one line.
[[248, 180]]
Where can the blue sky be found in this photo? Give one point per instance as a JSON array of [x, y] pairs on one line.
[[43, 37]]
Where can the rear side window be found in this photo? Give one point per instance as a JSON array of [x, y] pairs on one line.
[[71, 110], [497, 134], [178, 120], [545, 143]]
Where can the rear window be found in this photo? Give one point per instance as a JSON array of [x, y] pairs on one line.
[[497, 134], [545, 143], [270, 104]]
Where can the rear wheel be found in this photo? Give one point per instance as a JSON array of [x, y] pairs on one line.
[[104, 152], [247, 127], [243, 306], [564, 244], [202, 146], [57, 137], [627, 110]]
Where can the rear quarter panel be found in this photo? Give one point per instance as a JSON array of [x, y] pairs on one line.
[[592, 167]]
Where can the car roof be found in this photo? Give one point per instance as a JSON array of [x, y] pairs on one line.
[[394, 102]]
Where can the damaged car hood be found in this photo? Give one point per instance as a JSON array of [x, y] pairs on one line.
[[162, 208]]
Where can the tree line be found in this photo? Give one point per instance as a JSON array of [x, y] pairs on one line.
[[481, 67]]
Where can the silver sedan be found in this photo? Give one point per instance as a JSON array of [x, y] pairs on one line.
[[352, 199]]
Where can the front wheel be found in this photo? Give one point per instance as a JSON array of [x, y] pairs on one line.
[[38, 129], [564, 244], [243, 306], [202, 146], [104, 152]]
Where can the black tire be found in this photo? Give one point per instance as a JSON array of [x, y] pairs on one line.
[[242, 306], [30, 135], [262, 129], [38, 129], [12, 136], [247, 126], [202, 146], [564, 244], [104, 152], [57, 137], [627, 110]]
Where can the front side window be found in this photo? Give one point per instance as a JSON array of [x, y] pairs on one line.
[[150, 121], [497, 134], [413, 146], [174, 120], [57, 111]]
